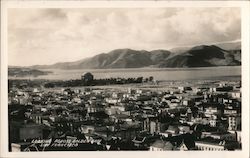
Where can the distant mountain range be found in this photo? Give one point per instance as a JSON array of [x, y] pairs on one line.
[[223, 54]]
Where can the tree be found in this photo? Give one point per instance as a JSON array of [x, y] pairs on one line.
[[88, 77], [139, 79], [151, 78]]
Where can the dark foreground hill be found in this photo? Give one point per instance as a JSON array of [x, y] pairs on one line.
[[204, 56]]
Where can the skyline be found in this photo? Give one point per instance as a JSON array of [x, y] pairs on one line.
[[36, 36]]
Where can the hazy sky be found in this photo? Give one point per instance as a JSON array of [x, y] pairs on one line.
[[47, 36]]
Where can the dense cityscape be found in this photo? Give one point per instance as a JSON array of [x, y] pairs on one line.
[[179, 115]]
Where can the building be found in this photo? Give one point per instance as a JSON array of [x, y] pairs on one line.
[[210, 144], [161, 145], [184, 129], [236, 94], [87, 77], [186, 145], [219, 135], [173, 130], [144, 140], [211, 111], [234, 122]]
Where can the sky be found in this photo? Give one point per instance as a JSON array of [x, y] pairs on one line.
[[47, 36]]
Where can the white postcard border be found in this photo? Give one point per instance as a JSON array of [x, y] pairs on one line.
[[244, 5]]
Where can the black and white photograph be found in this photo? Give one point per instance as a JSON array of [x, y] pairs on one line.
[[120, 78]]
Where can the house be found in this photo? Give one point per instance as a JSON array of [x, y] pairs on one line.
[[88, 129], [213, 122], [67, 91], [112, 111], [144, 140], [183, 147], [173, 130], [187, 102], [77, 100], [184, 129], [161, 145], [112, 100], [236, 94], [186, 145], [182, 142], [231, 111], [119, 117], [139, 141], [184, 88]]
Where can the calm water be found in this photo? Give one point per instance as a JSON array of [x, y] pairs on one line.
[[232, 72]]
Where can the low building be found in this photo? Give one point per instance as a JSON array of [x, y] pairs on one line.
[[219, 135], [161, 145], [210, 144], [236, 94], [184, 129], [144, 140], [173, 130], [186, 145]]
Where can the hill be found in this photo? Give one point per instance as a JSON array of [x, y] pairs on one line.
[[23, 72], [198, 56], [203, 56]]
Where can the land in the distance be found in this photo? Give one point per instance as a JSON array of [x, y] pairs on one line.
[[22, 72], [197, 56]]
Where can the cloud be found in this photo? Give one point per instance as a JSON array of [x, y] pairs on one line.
[[51, 35]]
